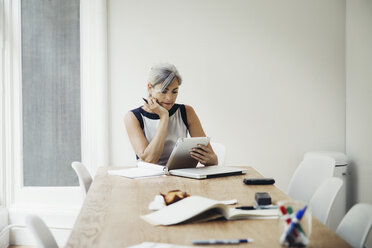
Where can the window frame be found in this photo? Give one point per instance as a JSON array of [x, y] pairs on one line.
[[53, 202]]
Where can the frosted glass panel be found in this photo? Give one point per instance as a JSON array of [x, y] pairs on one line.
[[50, 91]]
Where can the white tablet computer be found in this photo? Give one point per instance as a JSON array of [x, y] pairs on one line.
[[180, 156]]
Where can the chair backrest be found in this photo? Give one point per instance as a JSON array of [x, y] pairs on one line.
[[44, 238], [322, 201], [219, 150], [308, 176], [356, 225], [85, 179]]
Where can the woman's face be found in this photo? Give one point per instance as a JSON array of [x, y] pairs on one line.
[[168, 96]]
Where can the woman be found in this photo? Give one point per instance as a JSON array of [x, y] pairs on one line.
[[154, 128]]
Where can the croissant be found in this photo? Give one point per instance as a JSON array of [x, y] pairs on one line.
[[174, 196]]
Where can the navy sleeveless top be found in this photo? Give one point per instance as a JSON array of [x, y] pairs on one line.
[[177, 127]]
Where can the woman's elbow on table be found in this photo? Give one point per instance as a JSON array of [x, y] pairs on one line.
[[150, 158]]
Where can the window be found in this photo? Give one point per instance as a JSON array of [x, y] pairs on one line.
[[58, 74], [50, 91]]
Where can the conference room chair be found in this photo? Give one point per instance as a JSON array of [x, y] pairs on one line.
[[85, 179], [308, 176], [323, 199], [41, 233], [356, 225], [220, 151]]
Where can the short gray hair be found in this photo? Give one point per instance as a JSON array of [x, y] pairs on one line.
[[163, 74]]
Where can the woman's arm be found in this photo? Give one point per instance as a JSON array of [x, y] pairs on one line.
[[148, 152], [204, 154]]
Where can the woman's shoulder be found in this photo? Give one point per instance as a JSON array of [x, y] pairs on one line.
[[133, 114], [134, 118], [189, 109], [185, 109], [136, 110], [129, 116], [190, 114]]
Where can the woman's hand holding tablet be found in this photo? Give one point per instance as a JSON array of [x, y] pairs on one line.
[[180, 157]]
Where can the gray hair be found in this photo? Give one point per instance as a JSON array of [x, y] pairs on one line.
[[163, 74]]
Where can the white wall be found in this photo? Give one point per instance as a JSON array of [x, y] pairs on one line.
[[267, 78], [359, 97]]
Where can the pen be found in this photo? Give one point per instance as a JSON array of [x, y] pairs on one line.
[[285, 214], [145, 100], [290, 212], [257, 207], [220, 241], [293, 224], [246, 208], [287, 218]]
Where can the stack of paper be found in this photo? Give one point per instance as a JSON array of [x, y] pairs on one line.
[[143, 170]]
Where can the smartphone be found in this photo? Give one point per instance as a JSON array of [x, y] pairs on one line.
[[145, 100], [259, 181]]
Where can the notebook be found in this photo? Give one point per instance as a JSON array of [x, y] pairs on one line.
[[208, 172]]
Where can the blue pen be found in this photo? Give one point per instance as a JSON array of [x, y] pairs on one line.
[[220, 241], [293, 224]]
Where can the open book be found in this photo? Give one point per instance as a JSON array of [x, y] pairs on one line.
[[198, 208]]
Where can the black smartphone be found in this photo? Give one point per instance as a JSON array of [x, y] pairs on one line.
[[259, 181], [145, 100]]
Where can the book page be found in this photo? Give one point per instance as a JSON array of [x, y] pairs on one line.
[[235, 214], [208, 215], [183, 210]]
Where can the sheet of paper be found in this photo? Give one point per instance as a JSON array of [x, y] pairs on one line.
[[157, 245], [150, 166], [136, 173]]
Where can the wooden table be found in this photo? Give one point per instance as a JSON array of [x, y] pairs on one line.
[[110, 216]]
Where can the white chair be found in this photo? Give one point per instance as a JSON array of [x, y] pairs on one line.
[[44, 238], [308, 176], [324, 197], [356, 225], [220, 150], [85, 179]]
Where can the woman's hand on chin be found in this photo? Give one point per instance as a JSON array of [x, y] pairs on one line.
[[156, 108]]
